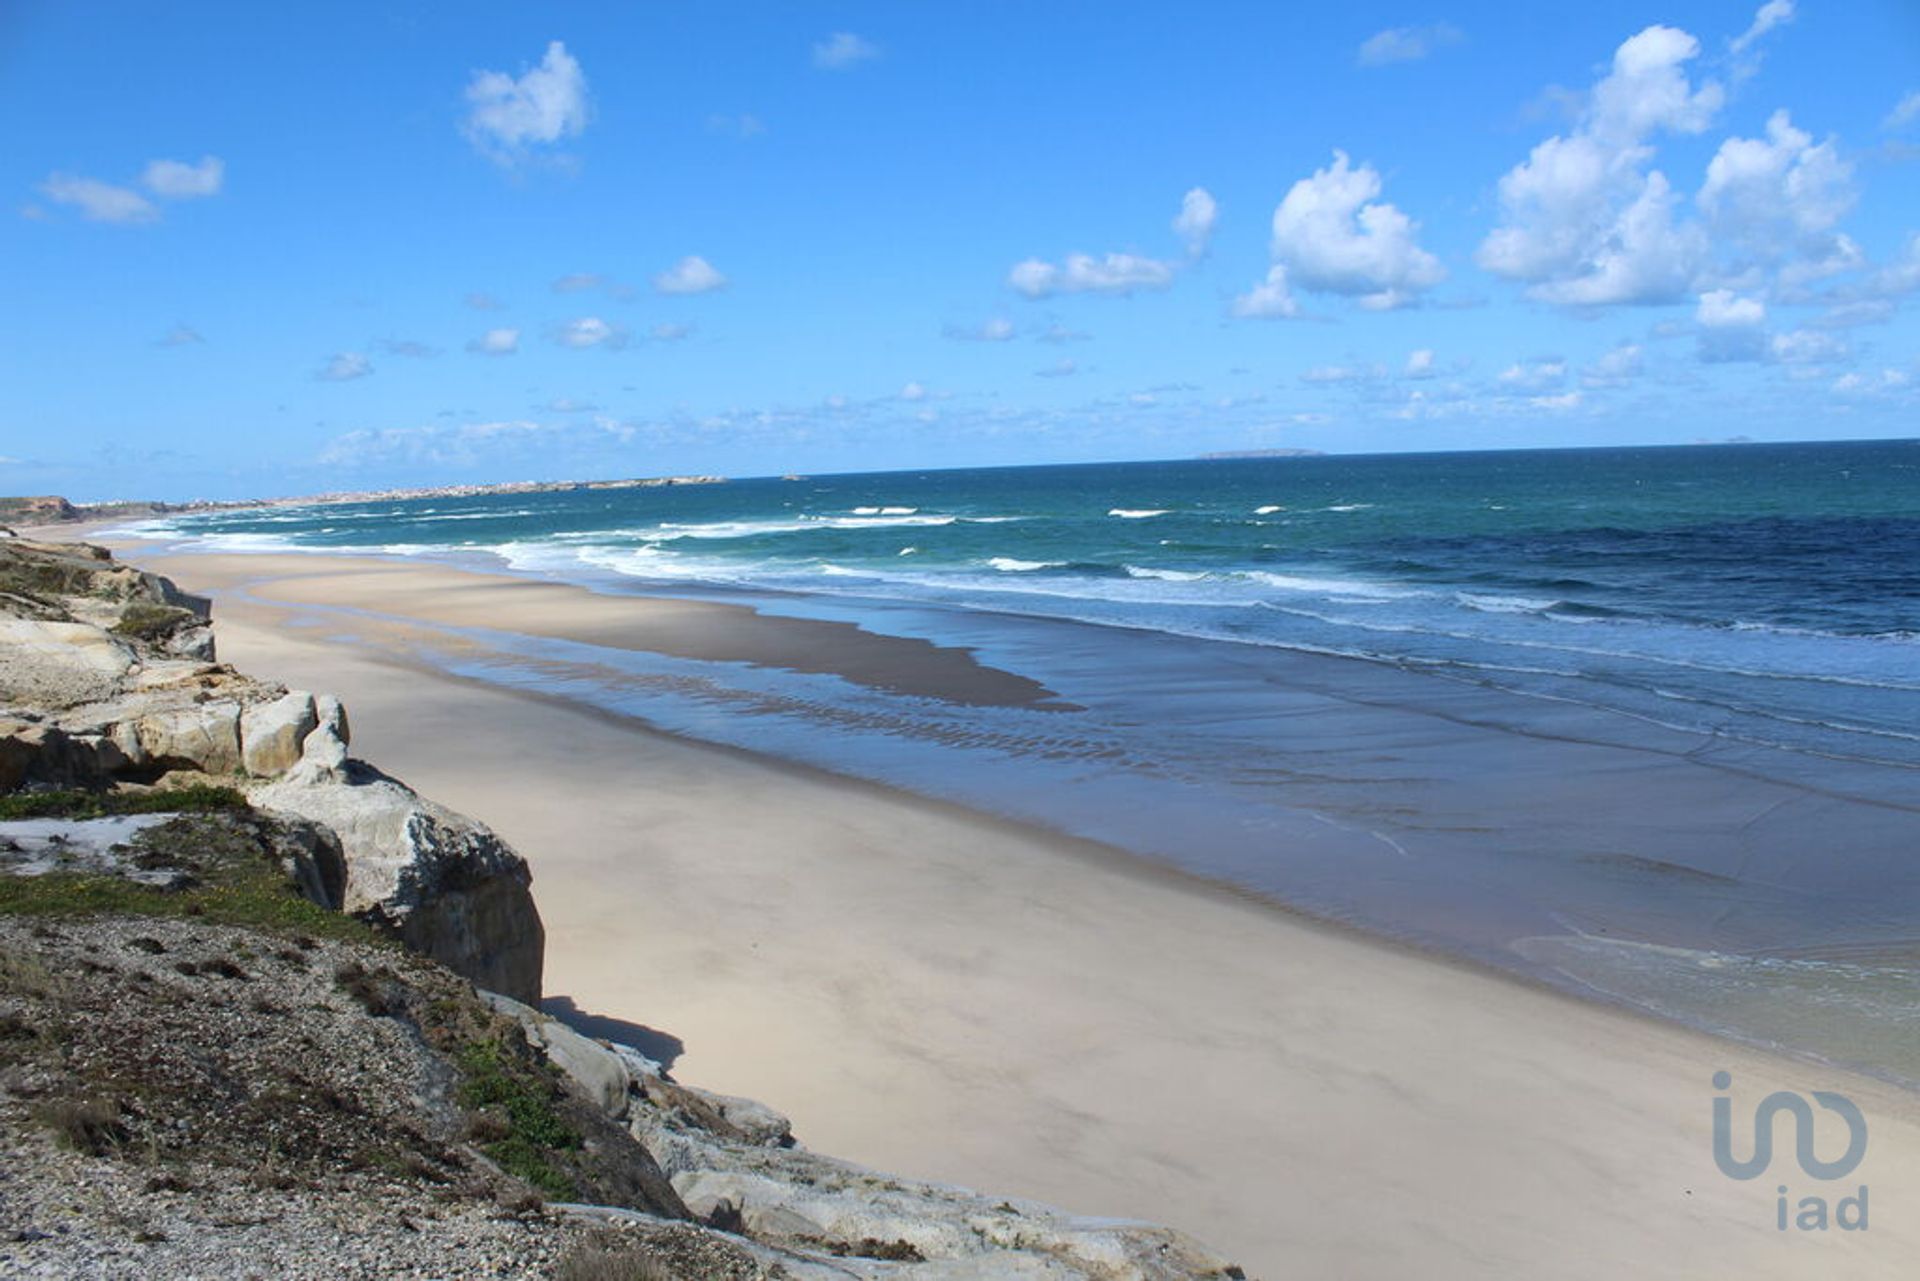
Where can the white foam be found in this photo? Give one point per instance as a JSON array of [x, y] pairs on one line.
[[1164, 575], [1136, 514], [1008, 565], [885, 511], [1268, 510]]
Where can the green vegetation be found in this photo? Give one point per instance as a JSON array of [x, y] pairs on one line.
[[519, 1097], [201, 798], [235, 879], [145, 621]]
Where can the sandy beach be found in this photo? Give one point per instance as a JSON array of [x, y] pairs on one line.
[[958, 997]]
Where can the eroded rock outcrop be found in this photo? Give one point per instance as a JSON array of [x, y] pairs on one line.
[[95, 691], [444, 883], [735, 1161]]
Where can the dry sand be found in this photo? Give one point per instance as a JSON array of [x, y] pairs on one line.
[[951, 996]]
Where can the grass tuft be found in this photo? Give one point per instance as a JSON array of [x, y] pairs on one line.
[[201, 798], [511, 1091]]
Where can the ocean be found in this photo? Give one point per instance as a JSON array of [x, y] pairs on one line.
[[1643, 723]]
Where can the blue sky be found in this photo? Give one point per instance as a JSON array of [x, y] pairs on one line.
[[262, 249]]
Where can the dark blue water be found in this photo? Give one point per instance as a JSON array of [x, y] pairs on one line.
[[1767, 592], [1642, 722]]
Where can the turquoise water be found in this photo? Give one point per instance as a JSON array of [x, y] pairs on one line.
[[1643, 722]]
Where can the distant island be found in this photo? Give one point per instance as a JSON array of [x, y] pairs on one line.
[[1261, 453]]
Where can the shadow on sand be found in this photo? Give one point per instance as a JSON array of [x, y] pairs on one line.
[[662, 1047]]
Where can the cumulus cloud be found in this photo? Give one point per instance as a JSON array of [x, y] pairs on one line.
[[1268, 300], [1731, 327], [691, 275], [1194, 223], [1616, 368], [344, 367], [496, 342], [1779, 193], [1534, 375], [1333, 235], [1061, 368], [508, 117], [1888, 380], [177, 180], [913, 391], [1116, 273], [1406, 44], [590, 331], [842, 51], [1420, 364], [1585, 223], [1120, 274], [99, 201], [1808, 347]]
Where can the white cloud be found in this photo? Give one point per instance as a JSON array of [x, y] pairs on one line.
[[1062, 368], [344, 367], [510, 116], [1534, 375], [1268, 300], [1194, 224], [1058, 333], [1562, 403], [843, 51], [1776, 194], [1584, 222], [1731, 327], [496, 342], [482, 302], [180, 336], [1746, 61], [670, 331], [1616, 368], [998, 329], [1333, 236], [590, 331], [577, 281], [1083, 273], [1723, 309], [1420, 364], [1808, 347], [177, 180], [691, 275], [913, 391], [1333, 375], [1405, 44], [99, 201], [1889, 380], [1904, 112]]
